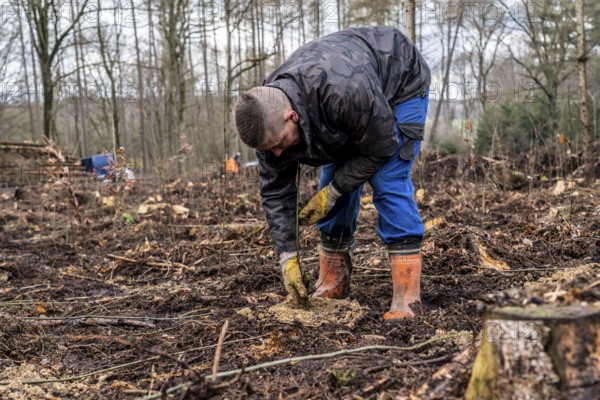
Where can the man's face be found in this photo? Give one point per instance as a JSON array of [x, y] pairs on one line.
[[277, 142]]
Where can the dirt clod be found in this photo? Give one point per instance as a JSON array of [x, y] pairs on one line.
[[319, 312]]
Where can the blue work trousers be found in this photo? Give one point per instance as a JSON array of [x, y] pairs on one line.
[[399, 221]]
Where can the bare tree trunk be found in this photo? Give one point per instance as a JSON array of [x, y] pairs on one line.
[[583, 87], [121, 98], [173, 24], [261, 42], [24, 61], [140, 93], [254, 37], [205, 86], [109, 65], [302, 27], [36, 101], [194, 98], [79, 107], [229, 81], [280, 28], [82, 95], [155, 125], [409, 19], [317, 20]]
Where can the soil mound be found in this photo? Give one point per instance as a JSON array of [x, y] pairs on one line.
[[319, 312]]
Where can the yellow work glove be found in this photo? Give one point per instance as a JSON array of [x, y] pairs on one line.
[[319, 206], [292, 276]]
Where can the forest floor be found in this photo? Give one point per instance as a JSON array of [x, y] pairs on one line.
[[127, 296]]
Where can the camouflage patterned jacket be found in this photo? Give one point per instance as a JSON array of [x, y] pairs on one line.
[[343, 87]]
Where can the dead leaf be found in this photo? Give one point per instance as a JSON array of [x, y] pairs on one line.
[[108, 201], [559, 188], [366, 203], [146, 245], [428, 247], [420, 195], [366, 200], [145, 208], [562, 138], [432, 223], [40, 309], [553, 213], [180, 211], [374, 261], [122, 385], [489, 262]]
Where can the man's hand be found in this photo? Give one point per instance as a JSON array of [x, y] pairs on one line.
[[319, 206], [293, 278]]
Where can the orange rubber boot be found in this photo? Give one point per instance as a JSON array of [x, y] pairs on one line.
[[406, 280], [334, 275]]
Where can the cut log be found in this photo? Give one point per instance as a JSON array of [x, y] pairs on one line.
[[548, 352]]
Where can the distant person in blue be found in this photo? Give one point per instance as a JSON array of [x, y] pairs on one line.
[[354, 102]]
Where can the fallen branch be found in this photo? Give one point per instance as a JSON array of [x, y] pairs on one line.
[[397, 363], [87, 278], [504, 272], [372, 269], [165, 264], [187, 315], [72, 300], [312, 357], [97, 321]]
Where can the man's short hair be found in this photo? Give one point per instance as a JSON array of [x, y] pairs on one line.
[[249, 120], [259, 112]]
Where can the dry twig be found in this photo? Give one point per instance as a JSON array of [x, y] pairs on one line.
[[215, 368]]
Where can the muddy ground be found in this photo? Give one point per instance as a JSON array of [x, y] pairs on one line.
[[126, 296]]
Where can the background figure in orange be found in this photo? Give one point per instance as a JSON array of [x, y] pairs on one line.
[[231, 166]]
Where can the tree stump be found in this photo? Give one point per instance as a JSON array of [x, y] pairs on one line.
[[548, 352]]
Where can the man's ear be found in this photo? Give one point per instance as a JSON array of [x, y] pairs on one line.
[[291, 114]]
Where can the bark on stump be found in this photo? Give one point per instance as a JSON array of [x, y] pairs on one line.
[[548, 352]]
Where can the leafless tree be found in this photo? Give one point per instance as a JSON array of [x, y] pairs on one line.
[[49, 35], [449, 26], [548, 33], [483, 40], [110, 60]]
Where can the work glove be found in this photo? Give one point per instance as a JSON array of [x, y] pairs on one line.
[[292, 277], [319, 206]]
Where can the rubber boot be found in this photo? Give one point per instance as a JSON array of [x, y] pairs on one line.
[[406, 281], [335, 269]]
